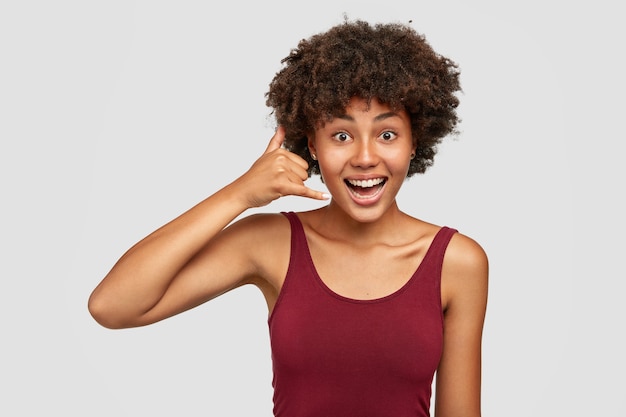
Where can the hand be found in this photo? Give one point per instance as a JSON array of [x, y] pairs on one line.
[[277, 173]]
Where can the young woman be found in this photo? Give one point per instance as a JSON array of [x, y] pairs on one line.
[[366, 303]]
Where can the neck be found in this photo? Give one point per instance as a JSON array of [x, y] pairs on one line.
[[334, 222]]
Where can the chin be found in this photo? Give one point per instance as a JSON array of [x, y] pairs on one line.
[[362, 214]]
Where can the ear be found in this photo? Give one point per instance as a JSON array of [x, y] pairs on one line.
[[311, 144]]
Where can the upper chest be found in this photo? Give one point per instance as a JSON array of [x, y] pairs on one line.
[[362, 271]]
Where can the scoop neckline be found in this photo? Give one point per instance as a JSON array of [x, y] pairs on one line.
[[333, 293]]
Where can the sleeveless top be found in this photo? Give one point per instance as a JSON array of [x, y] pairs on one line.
[[334, 356]]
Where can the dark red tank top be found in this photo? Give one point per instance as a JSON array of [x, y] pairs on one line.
[[335, 356]]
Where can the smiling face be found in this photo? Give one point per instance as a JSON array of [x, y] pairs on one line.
[[364, 157]]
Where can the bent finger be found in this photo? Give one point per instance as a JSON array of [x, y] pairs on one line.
[[301, 171]]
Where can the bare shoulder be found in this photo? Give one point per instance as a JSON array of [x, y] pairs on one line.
[[465, 253], [465, 270], [261, 223], [265, 239], [261, 235]]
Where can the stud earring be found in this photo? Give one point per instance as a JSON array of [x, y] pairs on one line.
[[413, 155], [314, 157]]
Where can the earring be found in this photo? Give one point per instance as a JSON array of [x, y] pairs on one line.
[[314, 157], [413, 155]]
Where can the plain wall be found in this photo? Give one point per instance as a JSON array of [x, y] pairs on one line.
[[117, 116]]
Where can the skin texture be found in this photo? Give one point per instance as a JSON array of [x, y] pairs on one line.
[[200, 255]]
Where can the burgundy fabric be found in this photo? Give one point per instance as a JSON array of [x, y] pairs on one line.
[[336, 356]]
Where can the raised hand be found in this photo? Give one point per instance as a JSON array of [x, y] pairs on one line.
[[275, 174]]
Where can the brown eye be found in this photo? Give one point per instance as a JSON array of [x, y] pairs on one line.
[[341, 136], [388, 135]]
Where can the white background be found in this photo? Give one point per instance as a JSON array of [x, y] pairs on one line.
[[116, 116]]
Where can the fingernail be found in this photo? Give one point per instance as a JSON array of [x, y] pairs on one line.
[[325, 196]]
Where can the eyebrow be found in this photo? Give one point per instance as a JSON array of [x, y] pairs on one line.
[[378, 118]]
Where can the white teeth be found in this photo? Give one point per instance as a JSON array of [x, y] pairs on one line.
[[366, 183]]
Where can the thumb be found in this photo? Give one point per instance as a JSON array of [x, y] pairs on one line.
[[277, 140]]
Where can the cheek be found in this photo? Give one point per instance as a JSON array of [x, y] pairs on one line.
[[330, 172], [325, 172], [330, 160], [399, 160]]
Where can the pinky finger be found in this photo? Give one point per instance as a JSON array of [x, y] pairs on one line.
[[316, 195]]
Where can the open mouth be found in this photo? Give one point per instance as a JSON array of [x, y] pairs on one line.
[[364, 189]]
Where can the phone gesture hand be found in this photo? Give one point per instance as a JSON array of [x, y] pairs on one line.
[[278, 173]]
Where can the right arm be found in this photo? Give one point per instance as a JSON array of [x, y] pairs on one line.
[[193, 258]]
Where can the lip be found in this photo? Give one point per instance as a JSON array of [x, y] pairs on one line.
[[365, 177], [366, 200]]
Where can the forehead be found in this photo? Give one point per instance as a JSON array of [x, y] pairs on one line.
[[372, 111], [360, 109]]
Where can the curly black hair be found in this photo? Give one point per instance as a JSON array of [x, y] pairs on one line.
[[390, 62]]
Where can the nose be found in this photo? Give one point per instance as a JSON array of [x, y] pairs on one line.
[[365, 154]]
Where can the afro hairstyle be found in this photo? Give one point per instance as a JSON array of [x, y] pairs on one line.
[[389, 62]]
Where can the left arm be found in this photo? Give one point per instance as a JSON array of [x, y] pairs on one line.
[[464, 297]]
